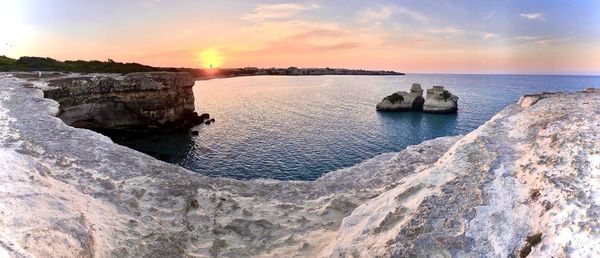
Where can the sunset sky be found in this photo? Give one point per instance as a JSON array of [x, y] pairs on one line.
[[539, 37]]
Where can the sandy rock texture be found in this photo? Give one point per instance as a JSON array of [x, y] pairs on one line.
[[526, 182]]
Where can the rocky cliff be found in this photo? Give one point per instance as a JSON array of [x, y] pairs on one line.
[[524, 183], [438, 100], [135, 101]]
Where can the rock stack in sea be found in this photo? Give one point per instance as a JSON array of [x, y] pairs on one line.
[[438, 100]]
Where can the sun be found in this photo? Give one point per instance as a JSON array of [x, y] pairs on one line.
[[211, 58]]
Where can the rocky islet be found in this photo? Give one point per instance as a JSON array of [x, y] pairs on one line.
[[438, 100]]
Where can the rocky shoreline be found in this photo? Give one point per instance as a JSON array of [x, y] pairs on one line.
[[143, 102], [524, 183]]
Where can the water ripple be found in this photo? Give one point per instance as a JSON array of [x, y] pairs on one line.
[[301, 127]]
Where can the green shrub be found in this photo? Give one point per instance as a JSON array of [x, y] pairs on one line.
[[446, 95], [30, 63], [394, 98]]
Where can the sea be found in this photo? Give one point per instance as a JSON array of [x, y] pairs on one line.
[[300, 127]]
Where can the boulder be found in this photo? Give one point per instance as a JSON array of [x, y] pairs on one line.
[[529, 100], [441, 101], [204, 116]]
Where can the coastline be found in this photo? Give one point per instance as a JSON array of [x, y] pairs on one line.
[[114, 201], [141, 193]]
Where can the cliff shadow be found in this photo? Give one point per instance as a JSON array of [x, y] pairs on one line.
[[171, 147]]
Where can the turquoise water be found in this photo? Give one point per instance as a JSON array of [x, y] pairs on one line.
[[301, 127]]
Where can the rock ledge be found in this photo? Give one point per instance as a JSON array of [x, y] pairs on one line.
[[150, 101]]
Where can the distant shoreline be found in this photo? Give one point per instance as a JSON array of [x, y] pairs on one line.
[[46, 64], [298, 75]]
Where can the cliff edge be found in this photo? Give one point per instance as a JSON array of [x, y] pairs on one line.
[[524, 183], [134, 102]]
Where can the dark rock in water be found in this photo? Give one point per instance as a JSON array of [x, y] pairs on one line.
[[207, 122], [195, 132], [198, 119], [212, 120]]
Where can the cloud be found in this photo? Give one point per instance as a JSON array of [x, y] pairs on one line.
[[446, 30], [149, 3], [412, 14], [305, 35], [385, 12], [289, 40], [263, 12], [338, 46], [490, 35], [526, 38], [533, 16], [546, 41], [376, 15]]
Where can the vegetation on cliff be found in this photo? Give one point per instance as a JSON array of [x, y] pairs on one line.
[[446, 95], [27, 63], [394, 98]]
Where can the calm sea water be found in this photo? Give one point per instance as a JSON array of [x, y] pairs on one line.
[[301, 127]]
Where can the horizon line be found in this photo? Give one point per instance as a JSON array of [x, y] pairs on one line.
[[594, 74]]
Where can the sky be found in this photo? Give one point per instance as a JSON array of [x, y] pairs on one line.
[[426, 36]]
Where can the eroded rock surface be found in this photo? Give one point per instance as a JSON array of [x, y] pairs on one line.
[[438, 100], [527, 180], [441, 101], [524, 183], [135, 101], [404, 101], [72, 192]]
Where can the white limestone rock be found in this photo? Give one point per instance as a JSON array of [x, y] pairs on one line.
[[529, 100], [525, 182], [69, 192], [441, 101], [438, 100], [412, 100]]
